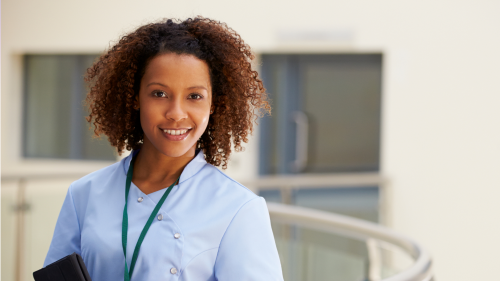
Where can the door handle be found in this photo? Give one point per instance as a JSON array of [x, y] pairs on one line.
[[302, 122]]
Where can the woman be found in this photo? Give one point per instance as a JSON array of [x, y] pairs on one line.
[[176, 94]]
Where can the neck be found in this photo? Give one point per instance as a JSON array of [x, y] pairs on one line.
[[154, 171]]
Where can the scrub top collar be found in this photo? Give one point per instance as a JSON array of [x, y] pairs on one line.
[[189, 171]]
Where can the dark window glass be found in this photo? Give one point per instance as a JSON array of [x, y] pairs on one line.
[[358, 202]]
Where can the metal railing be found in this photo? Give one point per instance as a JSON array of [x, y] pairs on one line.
[[372, 234], [366, 231]]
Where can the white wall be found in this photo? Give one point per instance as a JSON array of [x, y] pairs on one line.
[[441, 141]]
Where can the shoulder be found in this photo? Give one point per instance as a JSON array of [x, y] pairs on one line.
[[106, 176], [223, 194], [224, 179], [221, 182]]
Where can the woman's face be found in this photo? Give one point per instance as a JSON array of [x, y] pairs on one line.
[[175, 99]]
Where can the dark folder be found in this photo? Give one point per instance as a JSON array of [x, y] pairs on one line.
[[69, 268]]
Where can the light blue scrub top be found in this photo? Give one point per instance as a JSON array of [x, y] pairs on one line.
[[213, 228]]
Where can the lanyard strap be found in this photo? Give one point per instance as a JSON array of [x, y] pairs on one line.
[[130, 172]]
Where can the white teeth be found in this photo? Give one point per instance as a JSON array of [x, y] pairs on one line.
[[175, 132]]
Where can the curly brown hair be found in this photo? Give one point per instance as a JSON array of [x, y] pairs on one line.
[[238, 95]]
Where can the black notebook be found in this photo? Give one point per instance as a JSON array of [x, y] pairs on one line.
[[69, 268]]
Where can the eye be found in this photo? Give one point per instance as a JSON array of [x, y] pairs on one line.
[[159, 94], [195, 96]]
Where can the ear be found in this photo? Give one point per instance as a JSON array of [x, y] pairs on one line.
[[212, 108]]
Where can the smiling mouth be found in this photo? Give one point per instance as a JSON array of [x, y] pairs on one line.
[[176, 132]]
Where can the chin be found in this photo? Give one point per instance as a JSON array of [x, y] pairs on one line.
[[176, 151]]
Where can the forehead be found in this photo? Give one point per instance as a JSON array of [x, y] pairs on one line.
[[177, 70]]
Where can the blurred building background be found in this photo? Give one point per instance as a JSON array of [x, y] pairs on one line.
[[387, 111]]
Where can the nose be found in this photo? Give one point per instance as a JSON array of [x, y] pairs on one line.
[[176, 111]]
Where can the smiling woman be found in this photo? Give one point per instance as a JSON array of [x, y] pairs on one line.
[[177, 94]]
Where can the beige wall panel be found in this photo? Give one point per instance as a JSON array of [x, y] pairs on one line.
[[45, 198], [9, 223]]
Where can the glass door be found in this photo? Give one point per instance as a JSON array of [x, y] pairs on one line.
[[326, 114], [325, 119]]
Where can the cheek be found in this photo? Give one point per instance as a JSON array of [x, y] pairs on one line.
[[149, 116], [202, 118], [205, 120]]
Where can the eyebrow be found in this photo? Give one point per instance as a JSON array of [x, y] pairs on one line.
[[156, 83], [198, 87], [190, 88]]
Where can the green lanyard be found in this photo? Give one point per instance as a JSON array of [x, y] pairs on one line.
[[146, 227]]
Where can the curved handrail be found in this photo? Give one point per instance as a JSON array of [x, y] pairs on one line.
[[421, 270]]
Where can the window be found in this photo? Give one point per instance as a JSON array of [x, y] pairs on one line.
[[54, 113]]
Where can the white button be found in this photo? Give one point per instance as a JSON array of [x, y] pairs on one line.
[[177, 236], [160, 217], [140, 199], [173, 270]]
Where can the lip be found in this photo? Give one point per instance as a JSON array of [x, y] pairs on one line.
[[176, 137], [175, 128]]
